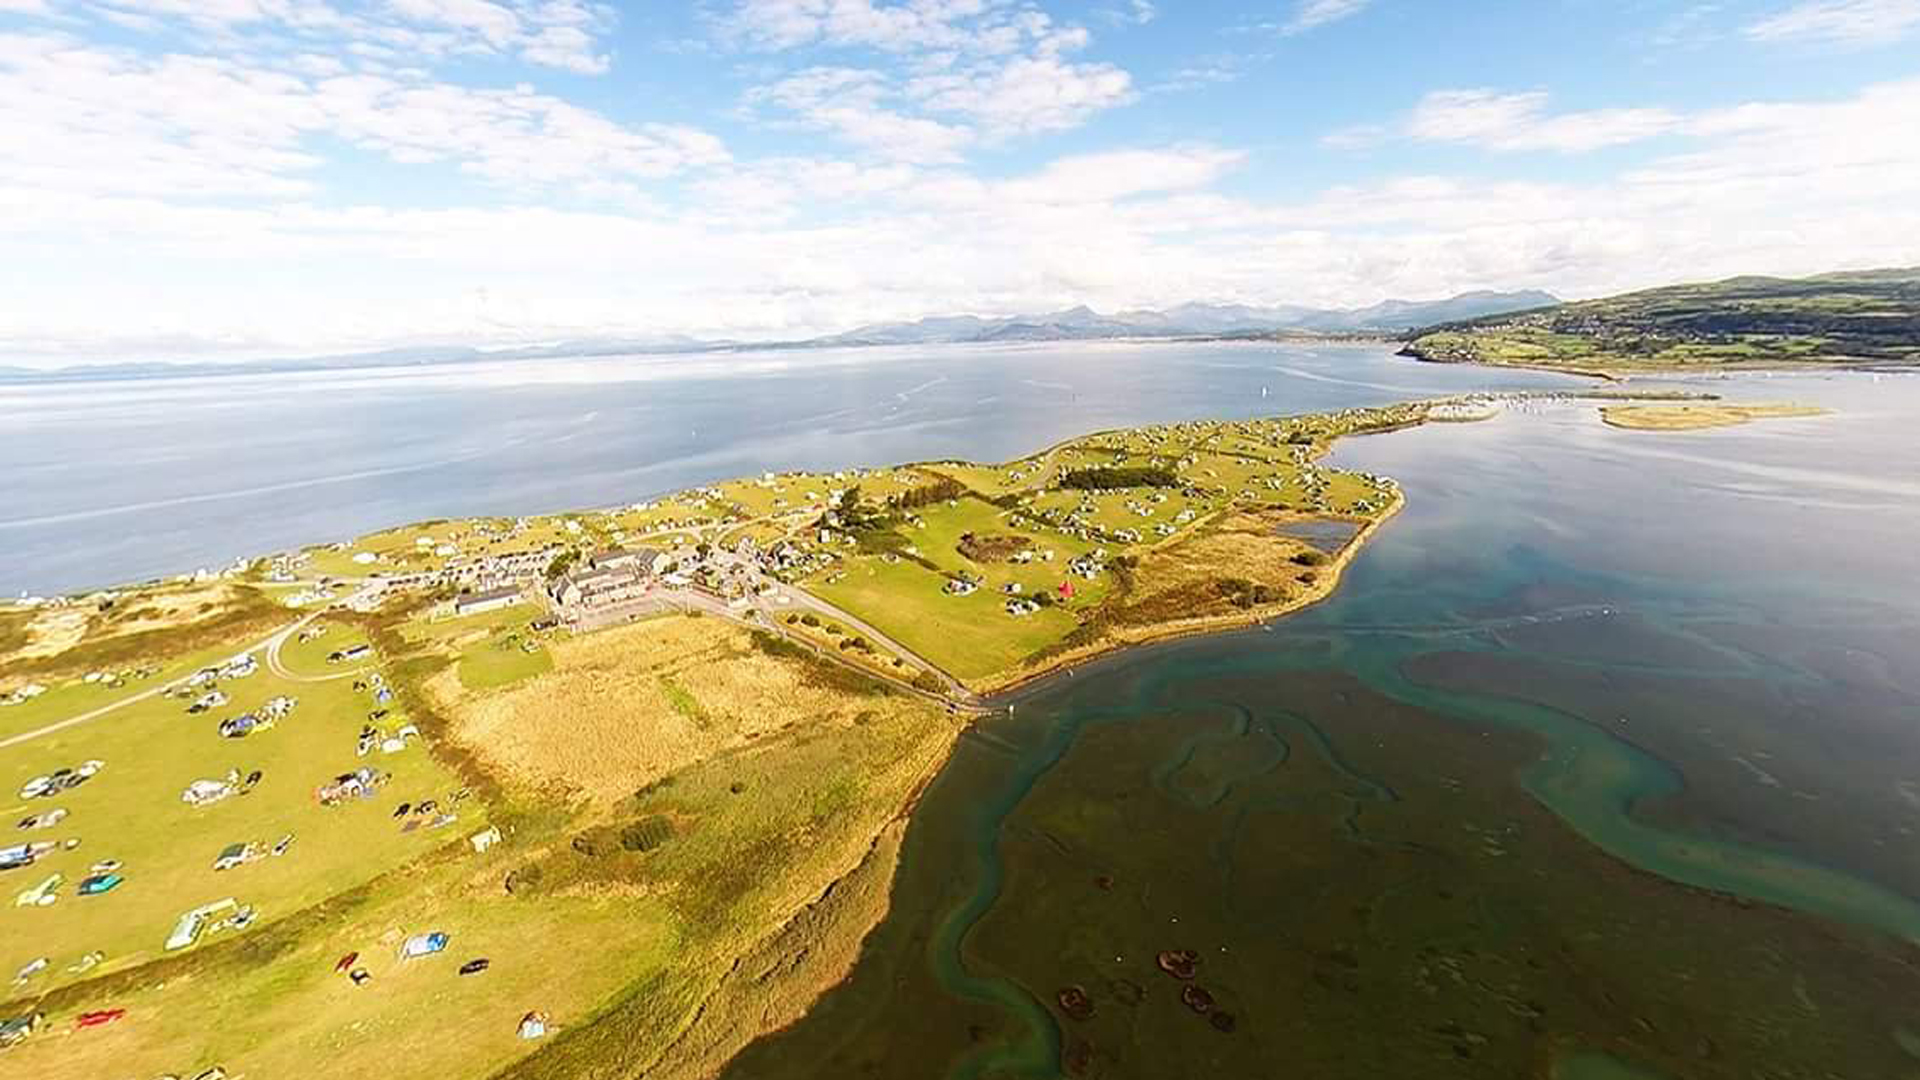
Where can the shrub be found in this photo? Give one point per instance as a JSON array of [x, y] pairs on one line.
[[931, 683], [927, 494], [809, 619], [1311, 558], [1103, 479], [526, 879], [647, 833]]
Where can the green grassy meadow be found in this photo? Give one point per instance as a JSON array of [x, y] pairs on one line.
[[132, 812]]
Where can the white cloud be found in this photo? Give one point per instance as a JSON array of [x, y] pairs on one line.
[[963, 71], [192, 202], [970, 26], [1025, 95], [1788, 187], [102, 120], [849, 102], [1133, 13], [1309, 14], [552, 33], [1848, 22], [1496, 120], [1520, 122]]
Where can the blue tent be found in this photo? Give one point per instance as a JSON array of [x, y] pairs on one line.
[[99, 883]]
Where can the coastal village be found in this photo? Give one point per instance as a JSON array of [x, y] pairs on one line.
[[215, 760]]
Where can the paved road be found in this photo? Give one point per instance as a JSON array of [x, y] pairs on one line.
[[271, 643], [800, 599], [274, 665], [764, 616]]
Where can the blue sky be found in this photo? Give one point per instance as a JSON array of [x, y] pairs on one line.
[[242, 178]]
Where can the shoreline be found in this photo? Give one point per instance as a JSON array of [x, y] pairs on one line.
[[1022, 683], [1617, 375]]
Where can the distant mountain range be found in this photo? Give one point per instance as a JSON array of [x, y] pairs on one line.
[[1074, 324], [1192, 320]]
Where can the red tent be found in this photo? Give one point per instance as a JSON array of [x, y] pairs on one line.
[[1066, 590]]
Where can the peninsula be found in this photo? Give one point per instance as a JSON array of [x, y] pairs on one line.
[[393, 785]]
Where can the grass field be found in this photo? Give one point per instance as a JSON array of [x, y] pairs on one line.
[[132, 812], [1219, 466]]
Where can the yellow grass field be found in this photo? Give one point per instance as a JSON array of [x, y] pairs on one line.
[[1698, 417], [624, 707]]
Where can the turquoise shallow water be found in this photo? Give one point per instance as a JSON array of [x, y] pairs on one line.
[[1650, 702]]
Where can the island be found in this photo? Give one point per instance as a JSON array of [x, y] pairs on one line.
[[1698, 417]]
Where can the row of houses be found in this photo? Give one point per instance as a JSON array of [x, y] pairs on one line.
[[493, 577], [611, 577]]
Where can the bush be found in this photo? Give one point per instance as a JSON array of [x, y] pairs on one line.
[[1311, 558], [931, 683], [647, 833], [809, 619], [526, 879], [1103, 479], [927, 494]]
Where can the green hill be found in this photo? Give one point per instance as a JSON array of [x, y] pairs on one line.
[[1870, 316]]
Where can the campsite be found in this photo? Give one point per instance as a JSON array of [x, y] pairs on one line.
[[263, 886]]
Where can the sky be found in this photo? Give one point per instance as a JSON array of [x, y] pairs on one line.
[[234, 179]]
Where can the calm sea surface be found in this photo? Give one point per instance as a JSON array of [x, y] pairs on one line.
[[1602, 764], [112, 481]]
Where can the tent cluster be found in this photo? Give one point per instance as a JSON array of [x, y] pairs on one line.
[[239, 727], [361, 783], [208, 792], [60, 780]]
